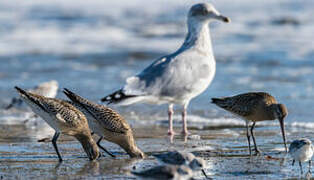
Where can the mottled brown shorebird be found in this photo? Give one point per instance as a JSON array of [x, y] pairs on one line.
[[107, 124], [63, 118], [254, 106]]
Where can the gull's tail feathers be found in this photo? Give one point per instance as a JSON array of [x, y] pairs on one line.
[[121, 98]]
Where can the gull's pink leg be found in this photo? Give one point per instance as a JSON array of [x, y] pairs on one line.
[[170, 113], [184, 126]]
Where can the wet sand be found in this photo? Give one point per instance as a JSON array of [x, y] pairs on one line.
[[22, 157]]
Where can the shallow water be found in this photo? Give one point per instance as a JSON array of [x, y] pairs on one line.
[[226, 155], [91, 47]]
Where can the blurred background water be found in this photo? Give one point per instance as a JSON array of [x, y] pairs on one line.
[[91, 47]]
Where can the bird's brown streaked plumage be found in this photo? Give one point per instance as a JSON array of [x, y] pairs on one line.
[[107, 123], [254, 107], [249, 105], [63, 118]]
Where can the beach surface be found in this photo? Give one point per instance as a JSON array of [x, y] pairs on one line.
[[91, 47]]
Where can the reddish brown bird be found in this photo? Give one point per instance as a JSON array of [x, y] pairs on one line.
[[254, 107]]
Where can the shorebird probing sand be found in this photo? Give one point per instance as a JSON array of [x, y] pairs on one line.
[[178, 77], [63, 118], [301, 150], [254, 107], [107, 124]]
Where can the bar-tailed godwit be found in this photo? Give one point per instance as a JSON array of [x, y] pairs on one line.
[[254, 107]]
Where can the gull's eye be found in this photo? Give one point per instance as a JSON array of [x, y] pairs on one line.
[[204, 11]]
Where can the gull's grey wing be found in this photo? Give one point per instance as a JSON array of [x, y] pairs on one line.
[[172, 75]]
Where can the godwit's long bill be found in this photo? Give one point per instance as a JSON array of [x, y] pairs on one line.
[[63, 118], [178, 77], [255, 107]]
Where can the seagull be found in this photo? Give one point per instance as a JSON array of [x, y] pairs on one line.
[[48, 89], [254, 107], [178, 77], [301, 150]]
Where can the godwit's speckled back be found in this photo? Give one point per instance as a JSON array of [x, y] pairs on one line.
[[63, 118], [248, 105], [109, 124]]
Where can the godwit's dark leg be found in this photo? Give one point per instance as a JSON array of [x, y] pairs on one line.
[[248, 136], [98, 144], [257, 151], [54, 143]]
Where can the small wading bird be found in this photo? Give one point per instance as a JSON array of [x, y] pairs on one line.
[[107, 124], [182, 158], [48, 89], [166, 172], [254, 107], [63, 118], [179, 77], [301, 150]]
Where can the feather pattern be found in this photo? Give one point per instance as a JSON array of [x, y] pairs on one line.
[[107, 118]]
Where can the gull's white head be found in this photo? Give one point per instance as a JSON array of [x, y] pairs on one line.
[[204, 12]]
